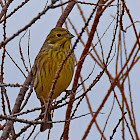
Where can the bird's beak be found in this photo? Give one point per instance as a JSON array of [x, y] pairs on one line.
[[69, 36]]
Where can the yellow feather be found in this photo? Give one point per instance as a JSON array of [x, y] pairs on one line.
[[47, 62]]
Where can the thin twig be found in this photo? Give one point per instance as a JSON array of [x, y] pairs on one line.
[[21, 54], [114, 130]]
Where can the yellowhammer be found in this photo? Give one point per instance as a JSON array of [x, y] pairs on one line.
[[47, 62]]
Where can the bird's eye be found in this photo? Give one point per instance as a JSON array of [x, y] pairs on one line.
[[58, 35]]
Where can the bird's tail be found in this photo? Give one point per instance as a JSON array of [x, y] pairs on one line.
[[47, 123]]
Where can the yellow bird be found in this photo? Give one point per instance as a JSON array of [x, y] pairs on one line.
[[47, 62]]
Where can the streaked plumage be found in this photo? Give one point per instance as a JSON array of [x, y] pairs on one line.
[[47, 62]]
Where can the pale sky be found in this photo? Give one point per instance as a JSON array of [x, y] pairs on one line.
[[39, 31]]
